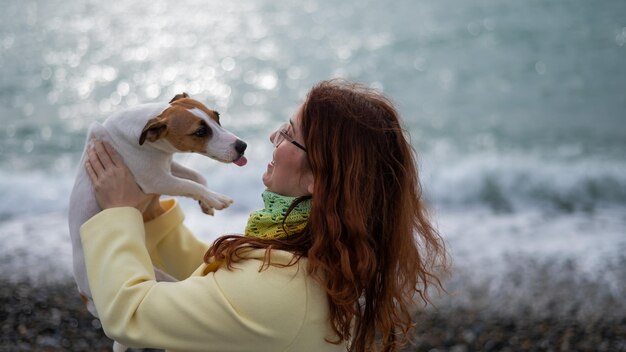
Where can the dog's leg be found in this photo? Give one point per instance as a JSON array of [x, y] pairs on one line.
[[175, 186], [181, 171]]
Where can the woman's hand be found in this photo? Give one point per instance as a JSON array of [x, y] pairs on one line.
[[114, 184]]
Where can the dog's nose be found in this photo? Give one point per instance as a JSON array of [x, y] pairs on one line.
[[240, 146]]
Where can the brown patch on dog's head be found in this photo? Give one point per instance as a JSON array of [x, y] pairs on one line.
[[183, 130], [187, 132], [184, 101]]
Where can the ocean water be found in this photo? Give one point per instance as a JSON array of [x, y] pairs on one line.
[[517, 111]]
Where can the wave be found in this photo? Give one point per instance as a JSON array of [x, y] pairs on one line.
[[501, 183], [511, 183], [31, 193]]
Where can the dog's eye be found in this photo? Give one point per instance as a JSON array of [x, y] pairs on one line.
[[202, 131]]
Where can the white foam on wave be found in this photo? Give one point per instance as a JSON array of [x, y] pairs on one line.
[[510, 182], [33, 193], [36, 248], [538, 263]]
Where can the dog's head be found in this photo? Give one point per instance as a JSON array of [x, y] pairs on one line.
[[189, 126]]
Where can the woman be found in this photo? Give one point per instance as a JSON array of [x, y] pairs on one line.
[[339, 272]]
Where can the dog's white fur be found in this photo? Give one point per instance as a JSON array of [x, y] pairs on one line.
[[153, 168]]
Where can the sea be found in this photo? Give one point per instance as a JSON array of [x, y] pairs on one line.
[[516, 111]]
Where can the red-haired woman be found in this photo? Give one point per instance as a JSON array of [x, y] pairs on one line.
[[335, 260]]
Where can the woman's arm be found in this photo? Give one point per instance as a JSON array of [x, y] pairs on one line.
[[195, 314], [173, 248]]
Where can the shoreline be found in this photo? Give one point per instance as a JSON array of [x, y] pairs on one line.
[[53, 318]]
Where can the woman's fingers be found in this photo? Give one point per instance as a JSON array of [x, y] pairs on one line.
[[103, 155], [94, 161], [113, 154], [91, 172]]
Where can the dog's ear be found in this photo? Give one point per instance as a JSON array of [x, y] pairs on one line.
[[154, 129], [179, 96]]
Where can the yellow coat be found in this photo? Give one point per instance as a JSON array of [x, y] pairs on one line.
[[278, 309]]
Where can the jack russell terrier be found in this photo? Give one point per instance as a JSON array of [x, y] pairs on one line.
[[147, 136]]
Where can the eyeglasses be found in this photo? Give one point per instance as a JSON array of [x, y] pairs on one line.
[[281, 135]]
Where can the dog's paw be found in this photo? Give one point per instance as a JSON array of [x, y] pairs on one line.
[[216, 201], [207, 209], [224, 201]]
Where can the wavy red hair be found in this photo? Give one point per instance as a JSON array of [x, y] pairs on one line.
[[369, 241]]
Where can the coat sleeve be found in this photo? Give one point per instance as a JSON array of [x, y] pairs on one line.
[[172, 247], [195, 314]]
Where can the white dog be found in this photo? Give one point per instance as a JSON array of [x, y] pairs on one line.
[[146, 137]]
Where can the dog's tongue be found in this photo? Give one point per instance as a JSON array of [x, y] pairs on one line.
[[241, 161]]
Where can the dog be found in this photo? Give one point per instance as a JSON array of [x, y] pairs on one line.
[[147, 136]]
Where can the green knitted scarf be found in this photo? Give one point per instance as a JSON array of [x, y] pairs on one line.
[[267, 223]]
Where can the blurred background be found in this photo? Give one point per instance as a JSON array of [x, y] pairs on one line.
[[517, 111]]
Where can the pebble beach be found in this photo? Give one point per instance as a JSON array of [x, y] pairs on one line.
[[53, 318]]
